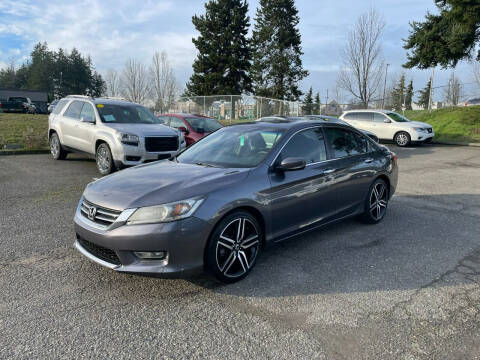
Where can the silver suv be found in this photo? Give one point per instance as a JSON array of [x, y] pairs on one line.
[[117, 133]]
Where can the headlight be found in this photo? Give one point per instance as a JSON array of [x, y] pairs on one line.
[[165, 213], [419, 129], [128, 139]]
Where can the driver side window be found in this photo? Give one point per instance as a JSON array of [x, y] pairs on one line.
[[87, 113], [308, 145], [379, 118]]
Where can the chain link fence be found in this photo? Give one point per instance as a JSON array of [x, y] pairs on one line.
[[236, 108]]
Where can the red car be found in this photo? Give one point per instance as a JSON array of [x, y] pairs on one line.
[[194, 127]]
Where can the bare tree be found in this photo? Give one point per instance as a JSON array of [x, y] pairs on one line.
[[112, 81], [452, 92], [164, 84], [363, 63], [135, 84]]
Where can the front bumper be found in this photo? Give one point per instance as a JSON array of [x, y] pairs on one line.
[[183, 240], [422, 136], [128, 155]]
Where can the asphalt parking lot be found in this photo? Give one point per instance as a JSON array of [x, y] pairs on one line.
[[408, 288]]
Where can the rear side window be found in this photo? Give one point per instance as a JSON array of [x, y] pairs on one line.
[[308, 145], [59, 106], [359, 116], [74, 110], [345, 143]]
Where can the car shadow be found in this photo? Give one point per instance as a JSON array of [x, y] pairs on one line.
[[421, 238]]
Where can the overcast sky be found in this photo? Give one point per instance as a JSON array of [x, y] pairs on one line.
[[113, 30]]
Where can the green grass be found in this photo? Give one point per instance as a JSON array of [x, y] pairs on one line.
[[29, 131], [459, 124]]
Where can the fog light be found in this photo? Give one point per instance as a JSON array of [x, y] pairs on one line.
[[151, 255]]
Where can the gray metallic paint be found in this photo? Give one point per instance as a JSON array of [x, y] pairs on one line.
[[288, 202]]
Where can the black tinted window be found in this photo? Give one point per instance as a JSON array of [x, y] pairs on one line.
[[345, 142], [59, 106], [74, 110], [308, 145]]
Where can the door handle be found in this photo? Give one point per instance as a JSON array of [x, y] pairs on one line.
[[368, 161], [329, 171]]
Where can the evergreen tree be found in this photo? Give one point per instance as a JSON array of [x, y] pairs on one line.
[[308, 103], [7, 76], [277, 65], [424, 98], [316, 106], [446, 38], [223, 62], [409, 96], [41, 69], [398, 94]]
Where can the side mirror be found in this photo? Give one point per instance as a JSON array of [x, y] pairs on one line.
[[387, 121], [183, 129], [291, 164], [88, 119]]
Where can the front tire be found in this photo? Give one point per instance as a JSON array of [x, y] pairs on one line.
[[234, 246], [402, 139], [104, 159], [376, 203], [56, 148]]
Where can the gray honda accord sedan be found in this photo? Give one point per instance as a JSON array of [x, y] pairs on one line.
[[216, 206]]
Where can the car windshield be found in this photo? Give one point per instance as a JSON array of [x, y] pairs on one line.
[[201, 125], [126, 114], [398, 117], [232, 147], [18, 99]]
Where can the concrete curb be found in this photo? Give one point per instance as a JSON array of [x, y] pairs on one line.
[[23, 152], [455, 143]]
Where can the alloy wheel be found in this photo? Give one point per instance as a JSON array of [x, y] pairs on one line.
[[103, 159], [54, 146], [378, 201], [402, 139], [237, 247]]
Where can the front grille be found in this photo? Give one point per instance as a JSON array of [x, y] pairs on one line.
[[158, 144], [429, 130], [100, 252], [98, 214]]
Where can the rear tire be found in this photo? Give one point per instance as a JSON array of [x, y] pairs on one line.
[[234, 247], [104, 159], [56, 148], [402, 139], [376, 203]]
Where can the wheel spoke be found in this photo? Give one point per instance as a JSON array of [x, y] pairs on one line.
[[239, 257], [381, 192], [229, 247], [250, 242], [375, 193], [227, 239], [241, 254], [241, 229], [228, 263], [382, 203]]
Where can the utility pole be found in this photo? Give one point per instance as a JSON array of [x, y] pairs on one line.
[[430, 97], [326, 103], [385, 87]]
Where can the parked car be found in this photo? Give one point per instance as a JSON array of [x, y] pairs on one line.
[[217, 205], [194, 127], [116, 133], [388, 125], [472, 102], [336, 120], [18, 104], [52, 106]]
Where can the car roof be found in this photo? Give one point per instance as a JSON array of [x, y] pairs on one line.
[[369, 110], [287, 123]]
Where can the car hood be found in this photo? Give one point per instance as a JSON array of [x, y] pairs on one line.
[[413, 124], [159, 183], [143, 130]]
